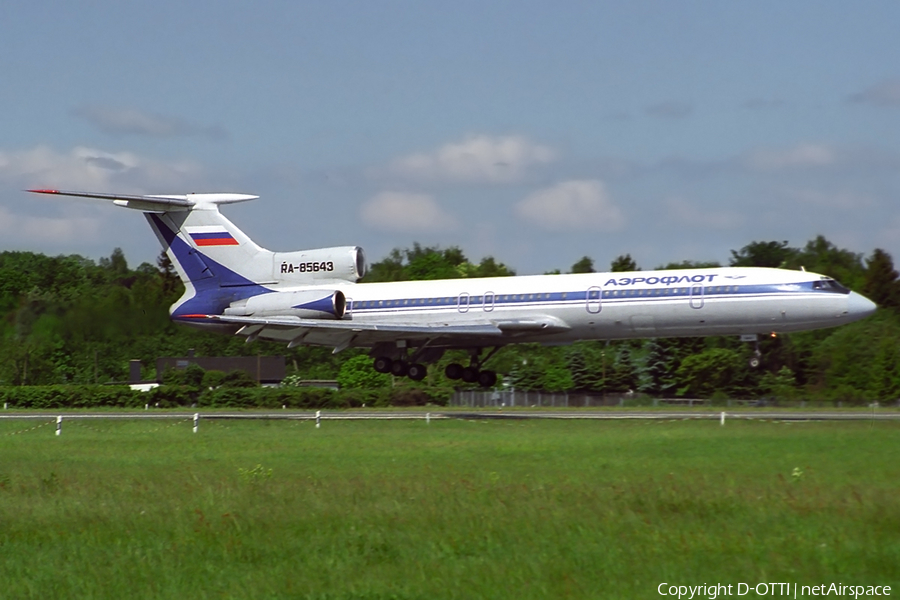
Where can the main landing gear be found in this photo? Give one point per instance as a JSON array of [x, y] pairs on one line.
[[402, 367], [473, 373]]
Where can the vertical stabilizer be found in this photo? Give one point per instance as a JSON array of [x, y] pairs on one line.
[[215, 260]]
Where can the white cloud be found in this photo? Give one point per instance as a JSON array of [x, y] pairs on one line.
[[800, 156], [30, 221], [130, 121], [476, 159], [403, 211], [576, 204], [846, 200], [886, 93], [21, 228], [687, 213], [95, 170]]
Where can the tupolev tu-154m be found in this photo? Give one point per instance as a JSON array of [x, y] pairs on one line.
[[312, 297]]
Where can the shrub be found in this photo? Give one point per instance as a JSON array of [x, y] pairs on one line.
[[213, 379], [69, 396]]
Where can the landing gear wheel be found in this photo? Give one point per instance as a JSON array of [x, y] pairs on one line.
[[754, 362], [487, 379], [417, 372], [382, 364], [399, 368], [470, 374], [454, 371]]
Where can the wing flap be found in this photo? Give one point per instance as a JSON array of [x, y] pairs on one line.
[[356, 326], [538, 324]]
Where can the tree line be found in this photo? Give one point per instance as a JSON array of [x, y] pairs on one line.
[[71, 320]]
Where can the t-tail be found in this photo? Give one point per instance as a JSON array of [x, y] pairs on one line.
[[222, 268]]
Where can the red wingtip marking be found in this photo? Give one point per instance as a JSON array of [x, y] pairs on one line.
[[44, 191]]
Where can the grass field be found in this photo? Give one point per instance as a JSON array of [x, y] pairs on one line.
[[454, 509]]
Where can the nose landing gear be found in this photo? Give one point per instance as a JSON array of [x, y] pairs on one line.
[[755, 359]]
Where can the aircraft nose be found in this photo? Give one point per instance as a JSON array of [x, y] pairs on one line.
[[858, 306]]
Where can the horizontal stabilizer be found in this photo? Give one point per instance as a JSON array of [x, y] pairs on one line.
[[157, 203]]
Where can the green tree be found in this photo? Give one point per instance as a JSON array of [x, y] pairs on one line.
[[659, 372], [115, 264], [763, 254], [488, 267], [880, 282], [782, 384], [357, 373], [623, 263], [861, 357], [585, 363], [821, 256], [714, 369], [622, 375], [431, 262], [584, 265], [170, 282], [689, 264]]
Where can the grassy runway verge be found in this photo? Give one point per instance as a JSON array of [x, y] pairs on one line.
[[454, 509]]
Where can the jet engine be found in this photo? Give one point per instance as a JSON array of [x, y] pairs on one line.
[[306, 304], [347, 263]]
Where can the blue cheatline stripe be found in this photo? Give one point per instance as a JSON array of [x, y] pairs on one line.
[[580, 297]]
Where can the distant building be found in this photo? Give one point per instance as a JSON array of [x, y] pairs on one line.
[[264, 369]]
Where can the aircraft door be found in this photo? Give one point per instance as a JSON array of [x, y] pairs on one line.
[[593, 296], [488, 301], [462, 304], [697, 296]]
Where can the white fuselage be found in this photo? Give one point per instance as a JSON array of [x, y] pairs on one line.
[[693, 302]]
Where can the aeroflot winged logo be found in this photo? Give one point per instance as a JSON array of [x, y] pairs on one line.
[[211, 236]]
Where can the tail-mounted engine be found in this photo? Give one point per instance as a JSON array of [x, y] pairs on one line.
[[306, 304], [347, 263]]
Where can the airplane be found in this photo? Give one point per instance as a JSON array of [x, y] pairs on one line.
[[313, 297]]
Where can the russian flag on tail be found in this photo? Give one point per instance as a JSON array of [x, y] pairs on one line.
[[211, 236]]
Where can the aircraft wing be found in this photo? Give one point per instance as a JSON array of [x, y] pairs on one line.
[[342, 334]]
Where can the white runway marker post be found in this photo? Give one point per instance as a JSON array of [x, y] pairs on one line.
[[59, 425], [318, 418], [428, 418], [722, 418], [196, 421]]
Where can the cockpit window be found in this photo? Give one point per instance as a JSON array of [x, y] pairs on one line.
[[829, 285]]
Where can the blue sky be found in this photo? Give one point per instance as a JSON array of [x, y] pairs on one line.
[[535, 132]]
